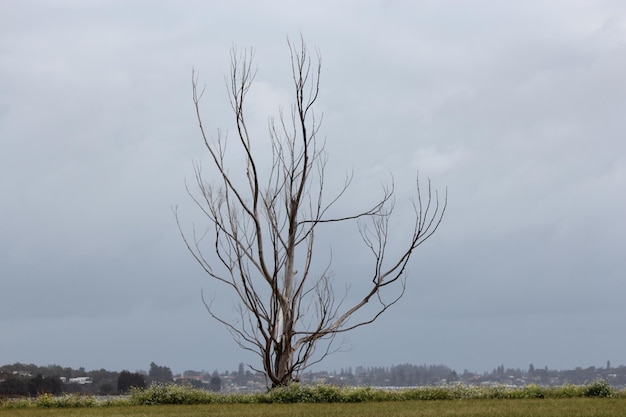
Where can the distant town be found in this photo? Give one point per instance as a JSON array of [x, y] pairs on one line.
[[28, 379]]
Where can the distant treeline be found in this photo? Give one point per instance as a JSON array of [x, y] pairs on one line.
[[31, 380], [407, 375]]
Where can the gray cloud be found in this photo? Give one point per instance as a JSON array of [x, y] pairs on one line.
[[516, 108]]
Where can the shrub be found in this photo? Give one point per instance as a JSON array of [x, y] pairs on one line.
[[170, 394], [566, 391], [599, 389], [533, 391], [75, 401], [499, 392], [467, 392], [45, 401], [427, 394], [327, 394], [15, 403], [294, 393], [358, 395], [323, 393]]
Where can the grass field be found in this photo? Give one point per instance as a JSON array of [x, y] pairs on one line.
[[569, 407]]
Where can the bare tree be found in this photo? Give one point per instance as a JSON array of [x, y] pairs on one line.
[[263, 229]]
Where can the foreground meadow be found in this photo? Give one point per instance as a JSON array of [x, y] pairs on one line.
[[570, 407]]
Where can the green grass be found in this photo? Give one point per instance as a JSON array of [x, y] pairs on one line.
[[566, 407]]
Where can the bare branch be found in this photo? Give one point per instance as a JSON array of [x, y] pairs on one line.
[[261, 232]]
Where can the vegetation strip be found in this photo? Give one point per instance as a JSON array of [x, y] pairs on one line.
[[170, 394]]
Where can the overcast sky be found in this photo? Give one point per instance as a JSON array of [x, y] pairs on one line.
[[518, 108]]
